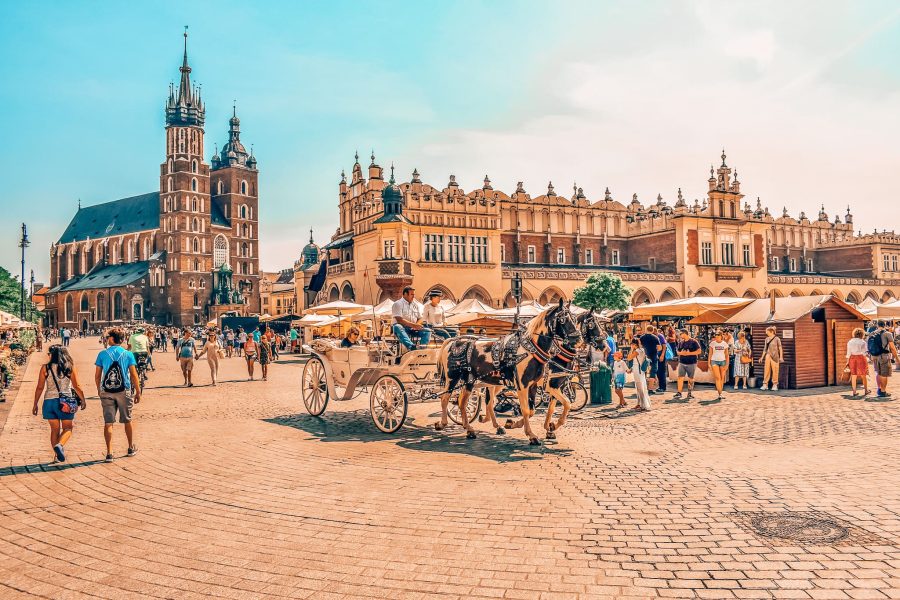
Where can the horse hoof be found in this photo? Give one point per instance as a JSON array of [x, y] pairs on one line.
[[438, 427], [534, 442], [509, 424], [501, 431], [551, 428], [551, 435], [470, 435]]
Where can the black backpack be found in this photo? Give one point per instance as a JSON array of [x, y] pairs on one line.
[[114, 378], [874, 344]]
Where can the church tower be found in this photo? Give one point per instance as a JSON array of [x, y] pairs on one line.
[[235, 203], [185, 206]]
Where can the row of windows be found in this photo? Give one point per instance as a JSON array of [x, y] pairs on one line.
[[531, 256], [726, 254], [455, 248], [792, 264], [890, 262], [220, 186]]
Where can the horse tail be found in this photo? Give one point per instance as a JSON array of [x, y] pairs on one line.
[[443, 358]]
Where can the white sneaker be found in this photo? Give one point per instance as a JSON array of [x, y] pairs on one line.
[[774, 388], [735, 386], [764, 388]]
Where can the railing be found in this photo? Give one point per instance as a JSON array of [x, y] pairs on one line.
[[801, 278], [344, 267], [582, 274]]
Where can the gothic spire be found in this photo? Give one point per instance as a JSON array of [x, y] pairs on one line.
[[185, 109]]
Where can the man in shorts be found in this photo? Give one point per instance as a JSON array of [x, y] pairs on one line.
[[688, 351], [652, 347], [118, 386], [882, 339]]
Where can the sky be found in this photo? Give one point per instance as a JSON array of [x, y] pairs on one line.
[[638, 96]]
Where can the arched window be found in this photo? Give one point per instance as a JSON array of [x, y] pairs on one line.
[[193, 184], [196, 300], [85, 306], [245, 250], [194, 204], [171, 166], [102, 314], [243, 211], [136, 312], [190, 283], [194, 166], [117, 306], [70, 308], [170, 245], [146, 254], [195, 245], [202, 284], [169, 184], [195, 224], [220, 188], [196, 264], [245, 231], [131, 252], [220, 251], [244, 188]]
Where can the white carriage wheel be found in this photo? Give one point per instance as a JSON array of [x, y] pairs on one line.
[[314, 387], [388, 404], [473, 404]]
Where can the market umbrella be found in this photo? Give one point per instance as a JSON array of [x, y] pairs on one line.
[[687, 307]]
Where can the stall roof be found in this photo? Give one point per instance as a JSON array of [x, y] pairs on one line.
[[787, 310], [347, 308], [687, 307], [470, 305], [888, 310]]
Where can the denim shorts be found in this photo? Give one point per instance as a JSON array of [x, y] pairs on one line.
[[52, 411], [620, 381], [718, 363]]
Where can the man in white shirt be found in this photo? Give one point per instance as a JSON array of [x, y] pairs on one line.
[[433, 315], [408, 320]]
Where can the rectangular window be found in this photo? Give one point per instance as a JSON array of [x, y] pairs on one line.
[[706, 255], [457, 248], [727, 253], [651, 263], [560, 256], [887, 262], [615, 258], [589, 256], [793, 265], [477, 249], [747, 262], [502, 253], [809, 265], [531, 254], [774, 263], [434, 247], [894, 260], [389, 247]]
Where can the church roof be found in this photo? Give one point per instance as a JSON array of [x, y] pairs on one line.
[[125, 215], [217, 217], [106, 277]]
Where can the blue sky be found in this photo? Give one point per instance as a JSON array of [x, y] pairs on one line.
[[637, 96]]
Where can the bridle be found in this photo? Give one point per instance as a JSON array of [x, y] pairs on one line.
[[557, 350]]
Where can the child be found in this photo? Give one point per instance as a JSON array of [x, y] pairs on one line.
[[620, 367]]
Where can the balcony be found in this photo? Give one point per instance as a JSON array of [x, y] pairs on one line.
[[728, 272], [344, 267], [394, 267]]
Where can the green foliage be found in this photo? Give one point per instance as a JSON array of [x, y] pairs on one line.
[[27, 338], [10, 295], [603, 290]]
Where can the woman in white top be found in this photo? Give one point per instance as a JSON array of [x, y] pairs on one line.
[[718, 361], [211, 350], [857, 360], [743, 358], [58, 383], [639, 370], [433, 315]]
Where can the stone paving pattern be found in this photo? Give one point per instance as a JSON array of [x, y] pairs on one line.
[[237, 493]]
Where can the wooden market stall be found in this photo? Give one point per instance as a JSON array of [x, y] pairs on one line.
[[814, 332]]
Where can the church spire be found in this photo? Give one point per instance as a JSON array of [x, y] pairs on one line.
[[185, 108]]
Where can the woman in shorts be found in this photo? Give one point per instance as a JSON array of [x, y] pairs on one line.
[[857, 360], [58, 383], [211, 349], [251, 354], [186, 353], [718, 361], [265, 355]]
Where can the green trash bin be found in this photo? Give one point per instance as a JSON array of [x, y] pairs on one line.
[[601, 385]]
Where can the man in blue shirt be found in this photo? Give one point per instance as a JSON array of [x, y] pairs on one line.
[[118, 386]]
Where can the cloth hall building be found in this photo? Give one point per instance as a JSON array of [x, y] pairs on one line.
[[180, 255], [469, 244]]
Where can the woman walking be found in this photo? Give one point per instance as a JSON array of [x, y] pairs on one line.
[[743, 358], [772, 357], [186, 353], [251, 354], [211, 349], [718, 361], [857, 360], [639, 367], [265, 355], [62, 397]]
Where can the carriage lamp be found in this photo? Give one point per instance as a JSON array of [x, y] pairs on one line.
[[517, 287]]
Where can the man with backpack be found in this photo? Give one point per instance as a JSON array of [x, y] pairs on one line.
[[881, 348], [118, 386]]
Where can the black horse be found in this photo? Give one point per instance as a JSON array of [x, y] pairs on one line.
[[520, 360]]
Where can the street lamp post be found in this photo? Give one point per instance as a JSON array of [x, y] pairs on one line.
[[31, 297], [23, 243]]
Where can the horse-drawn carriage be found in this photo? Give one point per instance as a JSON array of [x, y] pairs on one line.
[[393, 378]]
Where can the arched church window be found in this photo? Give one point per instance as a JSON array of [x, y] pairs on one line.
[[243, 211], [169, 184], [194, 166], [193, 184], [195, 245], [244, 188], [220, 251], [220, 188], [195, 224]]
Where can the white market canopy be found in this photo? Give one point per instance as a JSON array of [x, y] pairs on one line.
[[888, 310], [687, 307], [338, 306], [469, 306]]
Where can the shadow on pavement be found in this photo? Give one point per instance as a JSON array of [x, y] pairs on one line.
[[44, 467], [356, 426]]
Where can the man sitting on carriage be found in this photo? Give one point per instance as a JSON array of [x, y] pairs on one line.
[[408, 322]]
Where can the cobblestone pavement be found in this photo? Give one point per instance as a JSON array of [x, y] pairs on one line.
[[237, 493]]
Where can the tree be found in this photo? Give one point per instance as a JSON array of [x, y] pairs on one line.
[[10, 294], [603, 290]]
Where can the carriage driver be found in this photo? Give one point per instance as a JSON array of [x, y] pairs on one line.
[[408, 320]]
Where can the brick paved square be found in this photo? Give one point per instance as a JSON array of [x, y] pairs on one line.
[[238, 493]]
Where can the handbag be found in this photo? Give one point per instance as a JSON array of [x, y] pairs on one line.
[[67, 404], [746, 359], [670, 355]]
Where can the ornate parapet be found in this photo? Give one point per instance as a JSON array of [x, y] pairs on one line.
[[582, 274], [829, 280]]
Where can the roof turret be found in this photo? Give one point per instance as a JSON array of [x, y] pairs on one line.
[[185, 108]]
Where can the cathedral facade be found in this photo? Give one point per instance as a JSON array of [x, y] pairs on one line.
[[471, 244], [177, 256]]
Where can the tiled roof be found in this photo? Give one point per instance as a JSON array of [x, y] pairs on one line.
[[106, 277], [126, 215]]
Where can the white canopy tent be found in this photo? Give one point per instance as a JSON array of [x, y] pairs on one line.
[[687, 307]]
